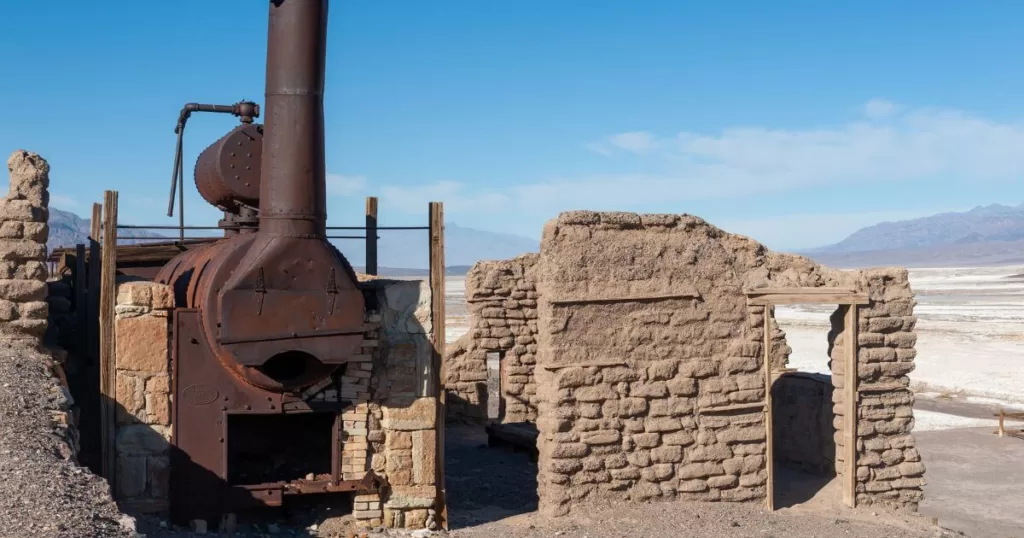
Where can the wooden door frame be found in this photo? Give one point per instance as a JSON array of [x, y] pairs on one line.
[[769, 297]]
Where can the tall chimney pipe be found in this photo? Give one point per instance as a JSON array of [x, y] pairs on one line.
[[293, 198]]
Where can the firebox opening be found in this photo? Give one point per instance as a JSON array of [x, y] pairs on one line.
[[289, 366], [273, 448]]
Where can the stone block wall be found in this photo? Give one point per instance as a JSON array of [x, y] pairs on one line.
[[889, 468], [502, 300], [142, 334], [650, 382], [401, 407], [23, 234]]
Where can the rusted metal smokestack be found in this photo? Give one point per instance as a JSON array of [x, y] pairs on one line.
[[293, 180]]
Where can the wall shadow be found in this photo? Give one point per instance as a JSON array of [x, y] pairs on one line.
[[486, 483], [803, 437]]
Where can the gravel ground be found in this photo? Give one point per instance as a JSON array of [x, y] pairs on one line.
[[43, 493]]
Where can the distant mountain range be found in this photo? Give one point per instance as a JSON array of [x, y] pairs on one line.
[[985, 235], [68, 229], [400, 252]]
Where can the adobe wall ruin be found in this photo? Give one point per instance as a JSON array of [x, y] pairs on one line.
[[648, 366], [502, 301], [23, 233]]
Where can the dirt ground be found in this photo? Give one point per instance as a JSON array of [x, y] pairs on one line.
[[975, 478], [973, 489], [485, 504]]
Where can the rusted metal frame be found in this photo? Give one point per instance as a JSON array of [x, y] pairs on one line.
[[371, 235], [437, 299], [107, 360]]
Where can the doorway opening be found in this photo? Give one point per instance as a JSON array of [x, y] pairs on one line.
[[811, 453]]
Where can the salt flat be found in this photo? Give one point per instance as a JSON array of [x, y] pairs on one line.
[[970, 333]]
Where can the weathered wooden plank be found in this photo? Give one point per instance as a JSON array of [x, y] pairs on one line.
[[809, 298], [108, 292], [586, 364], [850, 378], [437, 298], [757, 406], [690, 294], [795, 291], [371, 235], [95, 225]]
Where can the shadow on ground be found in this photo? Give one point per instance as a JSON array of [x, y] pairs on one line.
[[485, 484]]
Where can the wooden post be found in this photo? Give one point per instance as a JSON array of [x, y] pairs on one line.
[[850, 378], [436, 211], [371, 235], [96, 222], [108, 291], [769, 444]]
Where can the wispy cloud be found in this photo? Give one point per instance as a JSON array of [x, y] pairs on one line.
[[344, 185], [888, 143]]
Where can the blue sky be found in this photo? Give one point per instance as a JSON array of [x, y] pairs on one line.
[[792, 122]]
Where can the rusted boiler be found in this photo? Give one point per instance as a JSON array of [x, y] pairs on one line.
[[272, 309]]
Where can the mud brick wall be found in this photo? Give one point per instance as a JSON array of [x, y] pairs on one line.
[[649, 372], [502, 300], [803, 422], [142, 333], [399, 415], [889, 468], [23, 234]]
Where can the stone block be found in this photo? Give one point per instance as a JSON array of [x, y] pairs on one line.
[[22, 290], [141, 344], [420, 415], [412, 497], [424, 457]]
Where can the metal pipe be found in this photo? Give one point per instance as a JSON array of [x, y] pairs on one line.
[[293, 179]]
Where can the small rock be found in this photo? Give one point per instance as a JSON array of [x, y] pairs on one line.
[[310, 476]]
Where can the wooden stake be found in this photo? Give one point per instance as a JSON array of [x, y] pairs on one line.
[[108, 292], [436, 211], [96, 222], [371, 235]]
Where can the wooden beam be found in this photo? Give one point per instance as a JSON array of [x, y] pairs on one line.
[[371, 235], [437, 298], [819, 290], [768, 425], [850, 378], [808, 298], [689, 294], [108, 293]]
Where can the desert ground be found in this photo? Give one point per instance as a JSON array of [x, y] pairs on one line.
[[970, 362]]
